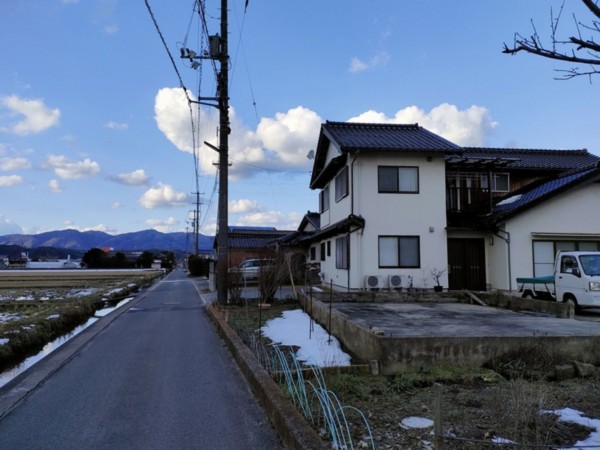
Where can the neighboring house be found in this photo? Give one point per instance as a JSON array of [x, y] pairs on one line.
[[398, 202], [251, 242]]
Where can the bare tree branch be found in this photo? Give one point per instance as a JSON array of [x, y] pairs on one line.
[[576, 49]]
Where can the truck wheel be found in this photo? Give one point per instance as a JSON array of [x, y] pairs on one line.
[[570, 300]]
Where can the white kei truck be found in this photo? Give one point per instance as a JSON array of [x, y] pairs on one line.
[[576, 280]]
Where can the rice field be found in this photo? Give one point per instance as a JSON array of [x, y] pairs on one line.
[[37, 306]]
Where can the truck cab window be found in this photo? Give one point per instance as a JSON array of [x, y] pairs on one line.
[[568, 264]]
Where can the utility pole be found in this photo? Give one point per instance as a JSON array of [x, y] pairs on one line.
[[224, 130], [196, 223], [218, 50]]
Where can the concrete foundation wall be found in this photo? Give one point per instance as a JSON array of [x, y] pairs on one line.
[[397, 354]]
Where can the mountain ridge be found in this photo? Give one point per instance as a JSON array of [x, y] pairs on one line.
[[84, 240]]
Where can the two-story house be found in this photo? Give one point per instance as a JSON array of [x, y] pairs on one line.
[[398, 202]]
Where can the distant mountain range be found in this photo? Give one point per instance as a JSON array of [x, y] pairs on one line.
[[84, 240]]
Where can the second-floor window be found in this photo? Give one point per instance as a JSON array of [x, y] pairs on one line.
[[324, 199], [500, 182], [398, 179], [341, 184]]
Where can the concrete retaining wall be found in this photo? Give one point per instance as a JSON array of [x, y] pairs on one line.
[[396, 354]]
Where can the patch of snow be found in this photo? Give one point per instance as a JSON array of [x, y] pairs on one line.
[[27, 297], [114, 291], [501, 440], [417, 422], [4, 341], [294, 328], [7, 317], [53, 316], [574, 416], [509, 200], [82, 292]]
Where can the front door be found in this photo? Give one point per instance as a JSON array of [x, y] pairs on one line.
[[466, 260]]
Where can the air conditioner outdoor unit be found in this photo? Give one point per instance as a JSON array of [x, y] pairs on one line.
[[395, 281], [374, 282]]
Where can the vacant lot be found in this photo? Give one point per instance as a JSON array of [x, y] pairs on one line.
[[508, 402], [37, 306]]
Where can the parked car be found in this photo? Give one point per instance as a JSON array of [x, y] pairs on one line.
[[250, 269]]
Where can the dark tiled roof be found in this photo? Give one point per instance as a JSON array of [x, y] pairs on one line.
[[312, 218], [347, 225], [380, 137], [371, 137], [253, 239], [532, 195], [536, 159]]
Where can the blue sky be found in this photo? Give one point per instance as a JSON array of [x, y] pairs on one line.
[[95, 132]]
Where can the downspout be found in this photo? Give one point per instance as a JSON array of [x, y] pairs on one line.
[[354, 154], [506, 238]]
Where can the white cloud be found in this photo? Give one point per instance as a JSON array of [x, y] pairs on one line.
[[111, 29], [164, 226], [468, 127], [163, 196], [116, 205], [7, 226], [135, 178], [358, 65], [10, 180], [37, 116], [290, 135], [116, 125], [271, 219], [71, 170], [279, 143], [243, 206], [54, 186], [14, 163], [100, 227]]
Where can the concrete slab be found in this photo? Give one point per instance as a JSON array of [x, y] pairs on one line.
[[459, 320]]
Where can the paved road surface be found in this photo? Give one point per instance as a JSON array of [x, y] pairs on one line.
[[157, 378]]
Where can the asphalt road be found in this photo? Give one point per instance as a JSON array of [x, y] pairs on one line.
[[158, 377]]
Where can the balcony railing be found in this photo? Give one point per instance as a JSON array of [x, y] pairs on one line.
[[471, 200]]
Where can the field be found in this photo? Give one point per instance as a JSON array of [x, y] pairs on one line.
[[36, 306]]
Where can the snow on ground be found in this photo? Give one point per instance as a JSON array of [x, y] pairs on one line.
[[77, 293], [315, 348], [417, 422], [7, 317], [574, 416]]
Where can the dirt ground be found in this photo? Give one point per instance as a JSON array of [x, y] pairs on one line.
[[504, 402], [476, 407]]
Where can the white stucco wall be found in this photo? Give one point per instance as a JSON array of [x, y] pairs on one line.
[[422, 214], [574, 215]]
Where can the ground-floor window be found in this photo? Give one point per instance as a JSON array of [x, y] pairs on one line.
[[399, 251], [544, 253], [342, 252]]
